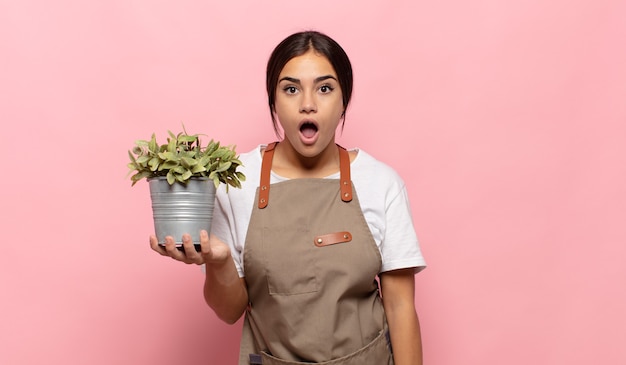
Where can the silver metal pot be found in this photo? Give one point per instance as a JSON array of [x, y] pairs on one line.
[[182, 208]]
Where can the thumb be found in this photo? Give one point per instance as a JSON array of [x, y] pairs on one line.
[[205, 246]]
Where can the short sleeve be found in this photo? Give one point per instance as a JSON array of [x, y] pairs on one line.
[[222, 226], [399, 246], [233, 208]]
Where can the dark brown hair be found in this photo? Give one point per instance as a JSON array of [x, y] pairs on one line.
[[298, 44]]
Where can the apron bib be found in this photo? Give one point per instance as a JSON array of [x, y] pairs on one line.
[[311, 265]]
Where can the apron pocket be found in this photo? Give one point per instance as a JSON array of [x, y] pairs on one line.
[[290, 270], [376, 352]]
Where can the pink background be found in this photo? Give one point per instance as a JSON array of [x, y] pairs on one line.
[[507, 119]]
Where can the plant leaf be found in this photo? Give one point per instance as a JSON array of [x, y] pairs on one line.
[[198, 168], [143, 160], [187, 139], [168, 156], [168, 165], [186, 175], [211, 147], [138, 176], [153, 163], [152, 145], [204, 160], [223, 166], [188, 162], [132, 158], [219, 153], [171, 179]]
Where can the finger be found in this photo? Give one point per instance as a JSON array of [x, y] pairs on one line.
[[173, 251], [190, 250], [154, 244]]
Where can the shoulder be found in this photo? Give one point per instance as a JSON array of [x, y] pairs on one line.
[[252, 157], [364, 159], [251, 162], [366, 168]]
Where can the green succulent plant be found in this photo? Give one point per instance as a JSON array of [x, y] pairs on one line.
[[184, 157]]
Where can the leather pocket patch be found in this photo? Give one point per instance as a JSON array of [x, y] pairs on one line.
[[332, 238]]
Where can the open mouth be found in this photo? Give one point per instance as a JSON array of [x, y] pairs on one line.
[[308, 129]]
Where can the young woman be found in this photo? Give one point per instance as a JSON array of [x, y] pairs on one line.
[[299, 247]]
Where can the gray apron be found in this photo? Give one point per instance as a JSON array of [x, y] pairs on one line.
[[311, 264]]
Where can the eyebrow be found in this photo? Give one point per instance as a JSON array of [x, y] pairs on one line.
[[297, 81]]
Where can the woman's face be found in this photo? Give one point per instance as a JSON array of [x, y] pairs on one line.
[[309, 103]]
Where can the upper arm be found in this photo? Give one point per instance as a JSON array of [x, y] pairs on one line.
[[398, 288]]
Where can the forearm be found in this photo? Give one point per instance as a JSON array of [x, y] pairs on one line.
[[225, 292], [406, 339], [398, 293]]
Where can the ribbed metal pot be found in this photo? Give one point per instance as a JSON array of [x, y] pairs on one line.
[[182, 208]]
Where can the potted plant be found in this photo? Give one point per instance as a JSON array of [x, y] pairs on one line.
[[183, 176]]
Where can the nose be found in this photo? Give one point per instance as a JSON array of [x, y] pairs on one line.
[[308, 104]]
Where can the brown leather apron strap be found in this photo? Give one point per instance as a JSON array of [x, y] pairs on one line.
[[344, 174], [266, 169]]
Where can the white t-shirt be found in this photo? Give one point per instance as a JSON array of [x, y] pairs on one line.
[[381, 193]]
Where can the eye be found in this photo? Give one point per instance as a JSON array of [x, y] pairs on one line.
[[325, 89], [290, 89]]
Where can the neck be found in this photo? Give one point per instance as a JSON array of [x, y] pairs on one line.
[[289, 163]]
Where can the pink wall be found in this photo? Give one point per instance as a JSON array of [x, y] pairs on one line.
[[506, 119]]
